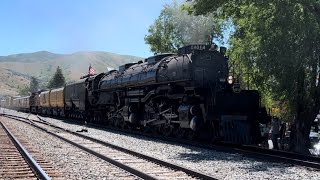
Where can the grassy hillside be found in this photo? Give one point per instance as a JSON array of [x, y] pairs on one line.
[[16, 70], [11, 81]]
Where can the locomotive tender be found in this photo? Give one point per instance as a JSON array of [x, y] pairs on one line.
[[188, 94]]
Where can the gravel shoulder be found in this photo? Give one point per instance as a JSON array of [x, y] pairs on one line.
[[218, 164], [72, 162]]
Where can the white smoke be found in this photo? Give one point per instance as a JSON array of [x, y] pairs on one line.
[[194, 29]]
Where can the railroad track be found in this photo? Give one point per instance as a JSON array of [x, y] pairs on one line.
[[19, 163], [283, 156], [141, 165], [248, 151]]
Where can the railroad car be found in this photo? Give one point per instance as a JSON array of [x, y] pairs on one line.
[[25, 106], [22, 104], [17, 104], [3, 103], [44, 107], [14, 104], [9, 101], [76, 99], [56, 99]]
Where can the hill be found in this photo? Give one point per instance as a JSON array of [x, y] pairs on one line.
[[16, 70]]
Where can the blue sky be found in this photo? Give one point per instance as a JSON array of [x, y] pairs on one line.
[[67, 26]]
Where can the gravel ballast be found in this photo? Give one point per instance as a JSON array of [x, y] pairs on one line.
[[218, 164], [73, 162]]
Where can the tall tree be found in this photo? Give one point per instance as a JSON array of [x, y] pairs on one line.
[[24, 91], [278, 42], [34, 84], [28, 89], [57, 80], [175, 28]]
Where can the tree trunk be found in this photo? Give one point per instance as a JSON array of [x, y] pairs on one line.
[[307, 109], [304, 113], [302, 129]]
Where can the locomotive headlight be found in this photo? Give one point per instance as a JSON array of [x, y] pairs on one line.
[[230, 80]]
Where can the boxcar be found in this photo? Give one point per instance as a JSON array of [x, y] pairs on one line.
[[3, 103], [75, 98], [17, 103], [9, 102], [57, 101], [44, 107], [25, 104], [14, 104]]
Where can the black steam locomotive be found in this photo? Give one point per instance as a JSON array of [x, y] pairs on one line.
[[185, 94], [188, 94]]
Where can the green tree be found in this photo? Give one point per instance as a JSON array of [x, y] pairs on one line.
[[28, 89], [175, 28], [24, 91], [34, 84], [57, 80], [277, 41]]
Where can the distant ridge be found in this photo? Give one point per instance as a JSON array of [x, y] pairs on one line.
[[30, 57], [16, 69]]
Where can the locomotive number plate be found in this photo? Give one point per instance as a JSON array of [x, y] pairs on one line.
[[198, 47]]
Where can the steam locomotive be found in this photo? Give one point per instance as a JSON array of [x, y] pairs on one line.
[[189, 95]]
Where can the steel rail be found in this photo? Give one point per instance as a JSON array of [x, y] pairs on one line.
[[114, 162], [149, 158], [249, 151], [41, 174], [134, 171]]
